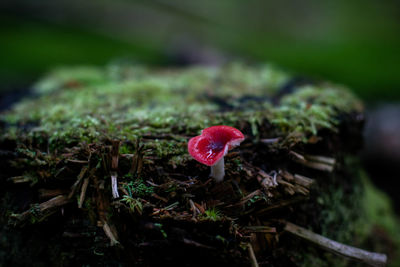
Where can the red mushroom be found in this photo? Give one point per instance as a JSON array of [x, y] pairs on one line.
[[212, 145]]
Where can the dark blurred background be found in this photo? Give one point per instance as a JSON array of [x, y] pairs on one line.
[[356, 43]]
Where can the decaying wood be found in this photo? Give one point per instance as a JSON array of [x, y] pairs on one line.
[[48, 193], [43, 207], [370, 258], [263, 182]]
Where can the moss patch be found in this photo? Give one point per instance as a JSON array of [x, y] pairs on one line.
[[87, 125]]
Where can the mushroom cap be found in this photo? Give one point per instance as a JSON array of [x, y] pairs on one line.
[[214, 143]]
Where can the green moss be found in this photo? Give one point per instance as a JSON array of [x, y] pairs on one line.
[[127, 102], [380, 214], [136, 187], [351, 215]]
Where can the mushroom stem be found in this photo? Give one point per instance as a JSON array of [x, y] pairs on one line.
[[218, 170]]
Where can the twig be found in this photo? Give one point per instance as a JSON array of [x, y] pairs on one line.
[[195, 210], [78, 161], [307, 161], [109, 233], [195, 244], [80, 177], [301, 190], [322, 159], [370, 258], [316, 165], [286, 175], [54, 202], [160, 198], [253, 258], [20, 179], [303, 181], [83, 192], [259, 229], [48, 193]]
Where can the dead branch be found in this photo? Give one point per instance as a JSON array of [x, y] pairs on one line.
[[370, 258]]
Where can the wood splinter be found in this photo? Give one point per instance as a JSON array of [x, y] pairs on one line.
[[83, 192], [114, 168], [315, 162], [252, 255], [370, 258], [110, 234], [114, 185]]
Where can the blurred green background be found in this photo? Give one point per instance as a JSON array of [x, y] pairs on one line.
[[356, 43]]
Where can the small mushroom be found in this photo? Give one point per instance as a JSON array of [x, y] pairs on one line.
[[212, 145]]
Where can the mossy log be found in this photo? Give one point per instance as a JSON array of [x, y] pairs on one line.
[[84, 131]]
